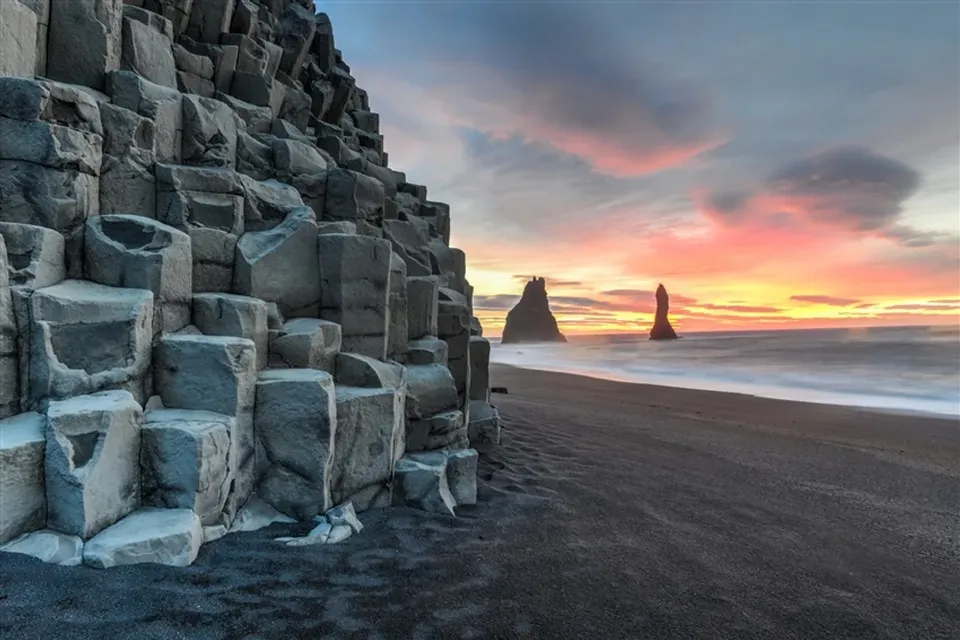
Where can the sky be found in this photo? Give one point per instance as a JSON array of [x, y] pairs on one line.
[[773, 164]]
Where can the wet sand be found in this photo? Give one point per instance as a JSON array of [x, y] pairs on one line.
[[611, 510]]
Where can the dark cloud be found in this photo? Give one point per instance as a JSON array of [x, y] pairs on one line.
[[923, 306], [497, 302], [827, 300]]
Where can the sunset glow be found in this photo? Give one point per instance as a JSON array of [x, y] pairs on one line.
[[775, 175]]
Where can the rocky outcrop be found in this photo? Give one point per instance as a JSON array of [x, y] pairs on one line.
[[220, 309], [530, 320], [661, 324]]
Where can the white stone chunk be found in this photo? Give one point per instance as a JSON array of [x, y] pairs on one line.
[[49, 546], [462, 475], [157, 536], [257, 514], [422, 483], [92, 465], [344, 514]]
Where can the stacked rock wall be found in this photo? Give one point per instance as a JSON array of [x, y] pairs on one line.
[[219, 306]]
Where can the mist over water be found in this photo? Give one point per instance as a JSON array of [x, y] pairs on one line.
[[895, 368]]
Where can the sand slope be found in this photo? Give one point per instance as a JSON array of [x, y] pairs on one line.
[[610, 511]]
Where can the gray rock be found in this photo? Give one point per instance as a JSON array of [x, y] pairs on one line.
[[355, 284], [279, 265], [422, 483], [126, 250], [256, 118], [445, 430], [397, 302], [453, 326], [324, 228], [218, 374], [257, 514], [293, 158], [162, 105], [296, 29], [214, 222], [268, 203], [296, 108], [18, 38], [23, 505], [52, 198], [51, 145], [422, 306], [82, 337], [126, 186], [35, 255], [479, 369], [476, 329], [437, 214], [84, 41], [209, 19], [369, 431], [296, 419], [355, 370], [188, 83], [428, 350], [92, 465], [430, 390], [462, 476], [147, 52], [353, 196], [254, 158], [156, 536], [48, 546], [9, 343], [252, 58], [258, 89], [409, 241], [192, 63], [483, 426], [53, 102], [205, 179], [220, 314], [339, 533], [307, 343], [184, 461], [149, 18], [209, 132], [176, 11]]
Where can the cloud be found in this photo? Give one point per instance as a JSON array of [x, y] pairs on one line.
[[826, 300], [551, 282], [848, 188], [737, 308], [498, 302]]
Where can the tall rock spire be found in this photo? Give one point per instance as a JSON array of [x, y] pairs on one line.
[[661, 325]]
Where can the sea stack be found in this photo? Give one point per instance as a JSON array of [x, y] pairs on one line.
[[530, 320], [661, 325]]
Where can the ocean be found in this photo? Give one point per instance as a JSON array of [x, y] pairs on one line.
[[913, 369]]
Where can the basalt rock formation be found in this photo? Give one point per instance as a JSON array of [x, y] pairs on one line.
[[661, 325], [530, 319], [219, 307]]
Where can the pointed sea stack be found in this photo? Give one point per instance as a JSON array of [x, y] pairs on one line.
[[530, 320], [661, 325]]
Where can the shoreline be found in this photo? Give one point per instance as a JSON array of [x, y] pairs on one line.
[[609, 376]]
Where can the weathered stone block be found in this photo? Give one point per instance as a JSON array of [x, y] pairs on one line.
[[209, 19], [430, 390], [209, 132], [148, 53], [355, 370], [409, 241], [23, 504], [80, 337], [125, 250], [50, 145], [397, 302], [353, 196], [422, 306], [48, 546], [427, 350], [483, 426], [84, 41], [92, 464], [293, 158], [296, 30], [132, 10], [479, 369], [268, 203], [279, 265], [9, 343], [369, 429], [220, 314], [462, 476], [307, 343], [18, 40], [184, 459], [35, 255], [162, 105], [218, 374], [176, 11], [422, 483], [355, 284], [296, 420], [445, 430], [149, 535]]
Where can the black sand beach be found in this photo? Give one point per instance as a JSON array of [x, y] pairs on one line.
[[610, 511]]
